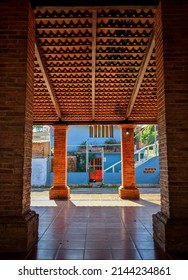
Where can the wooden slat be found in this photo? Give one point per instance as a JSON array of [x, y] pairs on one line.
[[47, 80], [141, 74]]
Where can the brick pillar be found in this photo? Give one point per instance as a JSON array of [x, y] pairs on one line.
[[171, 223], [60, 190], [128, 189], [18, 224]]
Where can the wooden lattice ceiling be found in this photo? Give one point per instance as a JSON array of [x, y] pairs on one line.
[[95, 65]]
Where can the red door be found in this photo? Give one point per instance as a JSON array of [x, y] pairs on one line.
[[95, 173]]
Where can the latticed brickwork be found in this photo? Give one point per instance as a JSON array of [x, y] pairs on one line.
[[93, 57]]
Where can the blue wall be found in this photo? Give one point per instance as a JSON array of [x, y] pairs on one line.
[[112, 158], [79, 134], [112, 178], [148, 178], [77, 178]]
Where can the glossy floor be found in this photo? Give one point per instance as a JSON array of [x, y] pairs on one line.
[[95, 226]]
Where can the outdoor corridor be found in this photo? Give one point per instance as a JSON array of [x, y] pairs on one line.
[[95, 226]]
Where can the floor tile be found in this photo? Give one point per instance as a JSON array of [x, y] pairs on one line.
[[48, 244], [153, 255], [70, 254], [41, 254], [98, 255], [122, 244], [119, 254], [146, 245], [76, 244], [97, 244]]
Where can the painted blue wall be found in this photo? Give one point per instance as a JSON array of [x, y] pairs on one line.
[[112, 158], [77, 178], [148, 178], [78, 134], [112, 178]]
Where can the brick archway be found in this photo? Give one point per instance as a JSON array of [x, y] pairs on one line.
[[96, 96]]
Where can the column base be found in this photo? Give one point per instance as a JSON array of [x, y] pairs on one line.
[[59, 193], [18, 234], [170, 234], [125, 193]]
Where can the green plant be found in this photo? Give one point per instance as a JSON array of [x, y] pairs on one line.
[[138, 137], [148, 135], [110, 144]]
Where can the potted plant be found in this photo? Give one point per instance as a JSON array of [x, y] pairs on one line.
[[138, 140], [109, 145]]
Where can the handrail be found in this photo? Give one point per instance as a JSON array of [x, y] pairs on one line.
[[136, 152], [112, 166], [145, 147]]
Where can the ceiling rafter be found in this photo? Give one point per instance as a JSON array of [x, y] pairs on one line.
[[141, 74], [94, 35], [47, 80]]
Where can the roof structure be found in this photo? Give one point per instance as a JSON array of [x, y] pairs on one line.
[[95, 65]]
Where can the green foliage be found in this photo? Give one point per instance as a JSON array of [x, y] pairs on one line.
[[110, 144], [148, 135]]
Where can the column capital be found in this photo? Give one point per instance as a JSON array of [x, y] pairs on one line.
[[60, 126], [127, 126]]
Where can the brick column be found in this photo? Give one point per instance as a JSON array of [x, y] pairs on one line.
[[18, 224], [171, 223], [60, 190], [128, 189]]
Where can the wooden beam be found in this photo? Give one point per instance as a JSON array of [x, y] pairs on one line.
[[47, 80], [44, 122], [94, 35], [141, 74]]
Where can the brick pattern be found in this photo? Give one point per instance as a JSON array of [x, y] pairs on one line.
[[16, 118], [172, 87], [40, 149], [16, 71], [171, 224], [60, 189], [128, 166], [127, 156], [60, 156]]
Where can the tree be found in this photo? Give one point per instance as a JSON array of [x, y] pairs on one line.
[[148, 135]]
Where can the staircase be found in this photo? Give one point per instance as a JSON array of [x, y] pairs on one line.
[[142, 156]]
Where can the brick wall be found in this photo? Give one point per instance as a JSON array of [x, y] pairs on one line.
[[16, 107], [60, 156], [171, 27], [127, 156], [40, 149]]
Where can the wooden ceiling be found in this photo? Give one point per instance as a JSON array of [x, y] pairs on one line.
[[95, 65]]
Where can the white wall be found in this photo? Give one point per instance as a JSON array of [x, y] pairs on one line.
[[39, 171]]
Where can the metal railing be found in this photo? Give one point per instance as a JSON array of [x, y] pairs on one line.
[[147, 152]]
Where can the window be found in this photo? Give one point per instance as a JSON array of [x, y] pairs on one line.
[[101, 131]]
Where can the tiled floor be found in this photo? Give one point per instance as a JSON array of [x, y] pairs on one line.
[[95, 226]]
